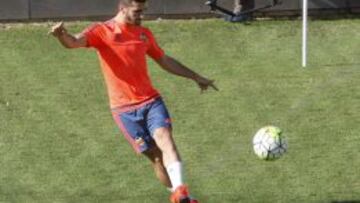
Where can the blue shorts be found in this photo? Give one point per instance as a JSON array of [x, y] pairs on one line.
[[139, 122]]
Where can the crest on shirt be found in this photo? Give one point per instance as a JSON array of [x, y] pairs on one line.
[[143, 37]]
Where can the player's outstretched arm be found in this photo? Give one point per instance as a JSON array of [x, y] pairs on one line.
[[175, 67], [66, 39]]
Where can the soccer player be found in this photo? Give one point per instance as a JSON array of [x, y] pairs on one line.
[[122, 45]]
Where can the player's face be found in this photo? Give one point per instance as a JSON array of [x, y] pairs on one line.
[[134, 12]]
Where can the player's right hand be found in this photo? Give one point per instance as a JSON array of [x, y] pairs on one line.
[[57, 30]]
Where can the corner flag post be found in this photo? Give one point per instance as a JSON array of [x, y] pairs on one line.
[[304, 34]]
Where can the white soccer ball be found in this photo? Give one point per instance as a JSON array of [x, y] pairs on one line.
[[269, 143]]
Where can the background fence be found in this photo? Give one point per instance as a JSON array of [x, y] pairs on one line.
[[50, 9]]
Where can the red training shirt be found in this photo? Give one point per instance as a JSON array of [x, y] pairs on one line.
[[122, 50]]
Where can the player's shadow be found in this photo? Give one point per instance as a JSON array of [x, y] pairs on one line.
[[346, 201]]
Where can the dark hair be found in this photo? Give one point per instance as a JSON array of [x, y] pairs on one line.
[[128, 2]]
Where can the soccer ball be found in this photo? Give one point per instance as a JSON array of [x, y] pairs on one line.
[[269, 143]]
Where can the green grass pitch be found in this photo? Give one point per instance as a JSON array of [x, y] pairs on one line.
[[58, 142]]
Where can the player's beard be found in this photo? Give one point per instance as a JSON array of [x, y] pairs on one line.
[[138, 21], [134, 19]]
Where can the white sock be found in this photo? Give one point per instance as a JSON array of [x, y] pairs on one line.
[[174, 171]]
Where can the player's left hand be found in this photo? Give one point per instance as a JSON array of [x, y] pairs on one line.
[[205, 83]]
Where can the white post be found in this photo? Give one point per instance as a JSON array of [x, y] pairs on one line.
[[304, 35]]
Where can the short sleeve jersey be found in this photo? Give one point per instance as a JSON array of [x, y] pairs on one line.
[[122, 50]]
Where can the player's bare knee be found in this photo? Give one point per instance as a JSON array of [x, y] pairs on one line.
[[163, 137], [154, 154], [158, 161]]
